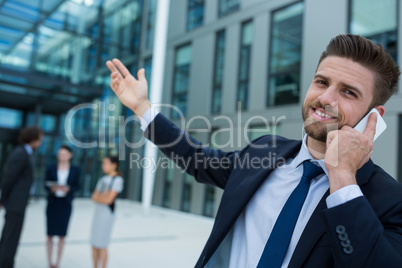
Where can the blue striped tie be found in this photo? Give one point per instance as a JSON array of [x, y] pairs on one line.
[[279, 240]]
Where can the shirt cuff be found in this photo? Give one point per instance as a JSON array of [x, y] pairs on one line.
[[343, 195], [148, 117]]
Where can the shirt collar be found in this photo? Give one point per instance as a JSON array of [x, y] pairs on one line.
[[28, 149], [304, 154]]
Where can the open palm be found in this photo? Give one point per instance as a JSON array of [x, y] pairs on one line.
[[133, 93]]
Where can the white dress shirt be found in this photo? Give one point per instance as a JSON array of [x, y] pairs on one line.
[[253, 227], [62, 176]]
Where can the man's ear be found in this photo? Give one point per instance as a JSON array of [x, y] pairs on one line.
[[381, 110]]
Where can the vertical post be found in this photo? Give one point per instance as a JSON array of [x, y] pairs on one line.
[[158, 65]]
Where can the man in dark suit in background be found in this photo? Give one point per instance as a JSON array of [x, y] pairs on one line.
[[15, 187]]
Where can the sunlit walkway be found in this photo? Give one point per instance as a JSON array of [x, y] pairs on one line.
[[162, 238]]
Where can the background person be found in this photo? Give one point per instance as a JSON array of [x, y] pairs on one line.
[[15, 187], [104, 195], [62, 180], [350, 214]]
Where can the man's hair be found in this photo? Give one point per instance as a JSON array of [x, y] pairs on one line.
[[29, 134], [370, 55]]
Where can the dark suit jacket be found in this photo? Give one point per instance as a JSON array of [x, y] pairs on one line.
[[16, 181], [72, 180], [372, 224]]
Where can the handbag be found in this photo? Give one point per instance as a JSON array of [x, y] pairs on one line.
[[112, 205]]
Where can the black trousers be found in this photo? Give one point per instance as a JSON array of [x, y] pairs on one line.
[[10, 238]]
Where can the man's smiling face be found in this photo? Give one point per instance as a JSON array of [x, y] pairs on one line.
[[340, 94]]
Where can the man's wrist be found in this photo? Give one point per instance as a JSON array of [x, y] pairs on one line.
[[140, 110], [339, 178]]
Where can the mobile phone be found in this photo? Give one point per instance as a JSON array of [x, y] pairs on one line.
[[380, 127]]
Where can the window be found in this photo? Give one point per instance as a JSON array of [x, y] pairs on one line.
[[186, 197], [148, 72], [228, 6], [181, 79], [106, 40], [150, 24], [285, 55], [10, 118], [92, 48], [167, 189], [218, 72], [244, 65], [209, 201], [129, 28], [195, 14], [376, 20]]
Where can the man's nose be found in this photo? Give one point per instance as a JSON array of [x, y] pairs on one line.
[[328, 98]]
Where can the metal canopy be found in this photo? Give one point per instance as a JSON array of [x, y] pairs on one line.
[[28, 28]]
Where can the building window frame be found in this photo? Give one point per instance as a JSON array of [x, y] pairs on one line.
[[394, 50], [244, 82], [218, 75], [296, 71], [176, 96], [194, 22], [235, 7]]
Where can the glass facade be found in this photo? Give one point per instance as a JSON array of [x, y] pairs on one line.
[[244, 65], [285, 55], [10, 118], [226, 7], [149, 39], [195, 14], [148, 72], [66, 58], [219, 64], [376, 20], [181, 80]]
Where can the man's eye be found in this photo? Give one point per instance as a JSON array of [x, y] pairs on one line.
[[321, 82], [349, 92]]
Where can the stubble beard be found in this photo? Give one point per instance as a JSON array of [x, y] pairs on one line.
[[316, 129]]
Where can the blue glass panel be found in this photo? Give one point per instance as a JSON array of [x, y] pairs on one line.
[[10, 118]]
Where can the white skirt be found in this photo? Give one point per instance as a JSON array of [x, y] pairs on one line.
[[102, 226]]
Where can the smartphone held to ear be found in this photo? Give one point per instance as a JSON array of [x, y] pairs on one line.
[[380, 126]]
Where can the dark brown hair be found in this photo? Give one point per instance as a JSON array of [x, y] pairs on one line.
[[29, 134], [372, 56], [115, 160]]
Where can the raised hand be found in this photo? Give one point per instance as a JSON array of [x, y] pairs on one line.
[[347, 151], [131, 92]]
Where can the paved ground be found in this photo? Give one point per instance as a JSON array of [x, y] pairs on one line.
[[160, 238]]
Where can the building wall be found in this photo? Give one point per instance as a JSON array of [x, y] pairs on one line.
[[322, 20]]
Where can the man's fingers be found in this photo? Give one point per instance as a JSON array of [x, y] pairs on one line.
[[111, 66], [371, 124], [141, 75], [120, 66]]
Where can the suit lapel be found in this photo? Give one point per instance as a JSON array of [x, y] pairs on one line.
[[242, 188], [315, 227]]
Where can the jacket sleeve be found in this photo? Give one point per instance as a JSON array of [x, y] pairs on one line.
[[75, 182], [205, 164], [14, 168], [361, 238], [48, 178]]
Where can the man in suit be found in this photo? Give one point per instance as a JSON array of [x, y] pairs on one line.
[[15, 187], [352, 213]]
